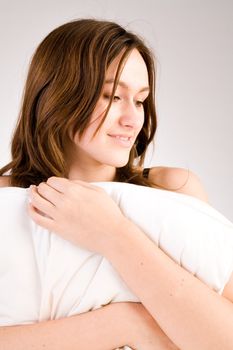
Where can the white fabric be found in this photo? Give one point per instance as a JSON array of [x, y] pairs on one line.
[[45, 277]]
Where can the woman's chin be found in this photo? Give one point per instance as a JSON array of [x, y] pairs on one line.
[[119, 163]]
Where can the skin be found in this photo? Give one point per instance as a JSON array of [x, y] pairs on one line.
[[136, 328], [192, 323], [95, 162], [96, 158], [195, 317]]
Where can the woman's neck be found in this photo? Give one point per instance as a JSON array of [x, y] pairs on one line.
[[102, 173]]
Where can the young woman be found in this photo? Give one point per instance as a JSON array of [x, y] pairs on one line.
[[88, 115]]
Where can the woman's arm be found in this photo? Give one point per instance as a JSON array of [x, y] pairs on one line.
[[95, 330], [107, 328], [190, 313]]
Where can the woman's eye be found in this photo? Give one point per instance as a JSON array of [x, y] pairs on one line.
[[139, 103], [108, 97]]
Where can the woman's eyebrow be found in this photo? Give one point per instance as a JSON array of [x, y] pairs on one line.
[[124, 85]]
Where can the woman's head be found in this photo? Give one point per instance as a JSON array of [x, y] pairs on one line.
[[62, 100], [110, 144]]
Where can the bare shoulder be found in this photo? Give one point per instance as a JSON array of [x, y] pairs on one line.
[[4, 181], [228, 289], [179, 180]]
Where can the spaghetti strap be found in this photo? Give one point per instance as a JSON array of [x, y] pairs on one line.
[[145, 172]]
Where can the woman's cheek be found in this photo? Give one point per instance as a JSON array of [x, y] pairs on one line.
[[141, 122]]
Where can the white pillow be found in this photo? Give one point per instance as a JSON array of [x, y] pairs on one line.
[[45, 277]]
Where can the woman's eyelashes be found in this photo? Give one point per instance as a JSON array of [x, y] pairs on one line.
[[116, 98], [139, 103], [108, 97]]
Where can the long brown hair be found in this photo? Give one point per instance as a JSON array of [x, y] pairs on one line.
[[64, 83]]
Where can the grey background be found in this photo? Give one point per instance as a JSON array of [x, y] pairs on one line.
[[193, 42]]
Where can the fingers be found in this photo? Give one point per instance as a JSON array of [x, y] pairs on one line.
[[40, 219], [48, 193], [62, 184], [58, 183], [41, 204], [46, 196]]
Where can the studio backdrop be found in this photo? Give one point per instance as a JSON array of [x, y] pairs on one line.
[[193, 44]]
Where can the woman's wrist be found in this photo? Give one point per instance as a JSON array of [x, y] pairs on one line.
[[120, 239]]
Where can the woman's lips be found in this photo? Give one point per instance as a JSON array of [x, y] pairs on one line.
[[122, 140]]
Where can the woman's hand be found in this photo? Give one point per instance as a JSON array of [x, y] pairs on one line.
[[78, 211]]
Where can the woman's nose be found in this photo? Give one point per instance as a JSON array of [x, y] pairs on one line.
[[131, 117]]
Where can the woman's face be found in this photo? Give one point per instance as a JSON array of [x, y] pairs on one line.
[[112, 143]]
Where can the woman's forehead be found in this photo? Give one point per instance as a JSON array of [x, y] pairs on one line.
[[134, 73]]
